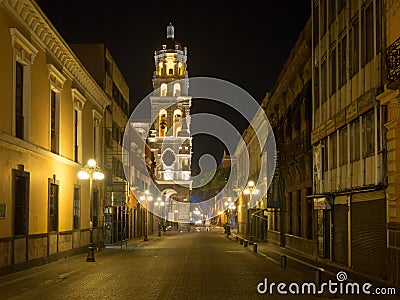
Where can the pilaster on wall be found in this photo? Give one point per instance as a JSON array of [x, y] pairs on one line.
[[391, 99]]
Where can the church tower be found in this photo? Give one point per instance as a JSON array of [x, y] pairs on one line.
[[170, 139]]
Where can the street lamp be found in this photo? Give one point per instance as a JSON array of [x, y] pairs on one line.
[[230, 207], [160, 204], [148, 198], [250, 190], [91, 171]]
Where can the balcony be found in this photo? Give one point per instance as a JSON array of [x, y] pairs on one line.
[[393, 65]]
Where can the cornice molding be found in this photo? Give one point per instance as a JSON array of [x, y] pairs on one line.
[[41, 29]]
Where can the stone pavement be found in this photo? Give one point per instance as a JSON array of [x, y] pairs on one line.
[[179, 265], [134, 243]]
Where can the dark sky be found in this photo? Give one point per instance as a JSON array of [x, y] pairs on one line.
[[244, 42]]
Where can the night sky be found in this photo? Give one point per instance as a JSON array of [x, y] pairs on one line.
[[244, 42]]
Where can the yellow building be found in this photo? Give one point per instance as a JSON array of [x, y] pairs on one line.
[[390, 98], [51, 115]]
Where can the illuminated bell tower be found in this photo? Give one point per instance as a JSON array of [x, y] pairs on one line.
[[170, 139]]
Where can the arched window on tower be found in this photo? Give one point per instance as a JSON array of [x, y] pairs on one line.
[[170, 65], [162, 122], [177, 121], [180, 68], [163, 89], [177, 89], [160, 68]]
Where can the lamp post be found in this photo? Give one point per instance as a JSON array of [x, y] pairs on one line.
[[148, 198], [230, 207], [250, 190], [92, 172], [160, 204]]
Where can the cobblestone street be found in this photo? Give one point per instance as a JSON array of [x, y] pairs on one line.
[[189, 265]]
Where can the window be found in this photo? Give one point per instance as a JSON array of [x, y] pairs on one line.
[[78, 102], [21, 200], [324, 83], [342, 61], [77, 206], [108, 138], [354, 44], [160, 68], [53, 206], [163, 90], [369, 33], [368, 134], [57, 81], [162, 122], [180, 68], [332, 71], [120, 100], [19, 100], [115, 132], [76, 136], [24, 54], [170, 71], [333, 150], [177, 89], [355, 141], [316, 88], [343, 146], [378, 26], [177, 121], [54, 122]]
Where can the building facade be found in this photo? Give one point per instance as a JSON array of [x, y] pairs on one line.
[[390, 98], [288, 108], [348, 134], [283, 215], [99, 62], [49, 103]]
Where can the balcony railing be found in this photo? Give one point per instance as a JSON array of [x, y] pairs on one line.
[[393, 65]]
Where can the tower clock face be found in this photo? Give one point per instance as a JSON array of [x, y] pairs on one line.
[[168, 157]]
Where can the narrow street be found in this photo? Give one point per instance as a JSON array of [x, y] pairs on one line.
[[179, 265]]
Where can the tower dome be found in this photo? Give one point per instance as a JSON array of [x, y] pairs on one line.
[[170, 43]]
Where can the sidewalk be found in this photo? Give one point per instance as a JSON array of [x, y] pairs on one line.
[[293, 258]]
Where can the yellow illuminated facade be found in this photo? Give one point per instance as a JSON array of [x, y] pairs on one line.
[[44, 209]]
